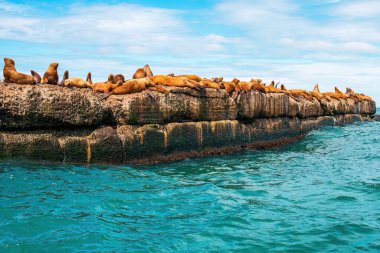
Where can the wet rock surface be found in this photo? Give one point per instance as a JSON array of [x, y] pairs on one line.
[[152, 143]]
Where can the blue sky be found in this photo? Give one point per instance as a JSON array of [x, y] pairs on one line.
[[299, 43]]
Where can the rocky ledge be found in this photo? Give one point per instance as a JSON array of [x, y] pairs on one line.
[[53, 123]]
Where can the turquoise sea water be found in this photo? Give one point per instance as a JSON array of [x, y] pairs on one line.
[[321, 194]]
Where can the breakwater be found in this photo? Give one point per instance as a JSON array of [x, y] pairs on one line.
[[49, 122]]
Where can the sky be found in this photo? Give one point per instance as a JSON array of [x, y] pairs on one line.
[[298, 43]]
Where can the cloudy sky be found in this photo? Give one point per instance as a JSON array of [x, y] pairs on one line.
[[299, 43]]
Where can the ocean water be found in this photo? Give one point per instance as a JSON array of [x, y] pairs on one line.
[[321, 194]]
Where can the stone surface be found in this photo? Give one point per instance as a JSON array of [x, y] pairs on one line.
[[42, 106], [50, 106], [181, 104], [154, 143]]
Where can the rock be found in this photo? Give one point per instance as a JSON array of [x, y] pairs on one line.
[[35, 145], [43, 106], [104, 146], [255, 105], [142, 141], [307, 109], [181, 104]]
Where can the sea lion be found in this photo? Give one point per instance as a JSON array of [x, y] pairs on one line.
[[139, 73], [191, 77], [272, 89], [298, 93], [143, 72], [12, 76], [137, 85], [235, 81], [51, 75], [337, 95], [106, 87], [65, 77], [207, 83], [339, 92], [257, 85], [243, 86], [228, 86], [356, 96], [176, 82], [217, 79], [319, 96], [119, 78], [76, 82], [327, 95]]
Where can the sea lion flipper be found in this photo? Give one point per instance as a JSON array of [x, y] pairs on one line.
[[64, 78], [36, 76], [88, 78]]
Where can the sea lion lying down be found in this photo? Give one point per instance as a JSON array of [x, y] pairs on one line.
[[12, 76]]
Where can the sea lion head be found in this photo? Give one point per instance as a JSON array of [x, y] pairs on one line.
[[119, 77], [9, 61], [140, 73], [54, 65], [111, 78], [67, 82], [283, 87], [235, 81], [316, 88], [349, 91], [217, 79]]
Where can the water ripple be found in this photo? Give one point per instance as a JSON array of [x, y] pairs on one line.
[[320, 194]]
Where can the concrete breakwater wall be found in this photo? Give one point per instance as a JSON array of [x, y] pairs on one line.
[[75, 125]]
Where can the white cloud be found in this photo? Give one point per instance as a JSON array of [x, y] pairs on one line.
[[274, 39], [327, 46], [358, 9]]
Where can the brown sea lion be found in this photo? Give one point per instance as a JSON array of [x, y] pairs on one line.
[[298, 93], [12, 76], [76, 82], [191, 77], [235, 81], [228, 86], [357, 96], [51, 74], [119, 78], [171, 74], [272, 89], [106, 87], [176, 82], [243, 86], [143, 72], [137, 85], [337, 95], [65, 77], [217, 79], [318, 95], [327, 95], [257, 85], [140, 73], [207, 83]]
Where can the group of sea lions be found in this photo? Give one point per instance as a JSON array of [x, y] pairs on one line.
[[143, 79]]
